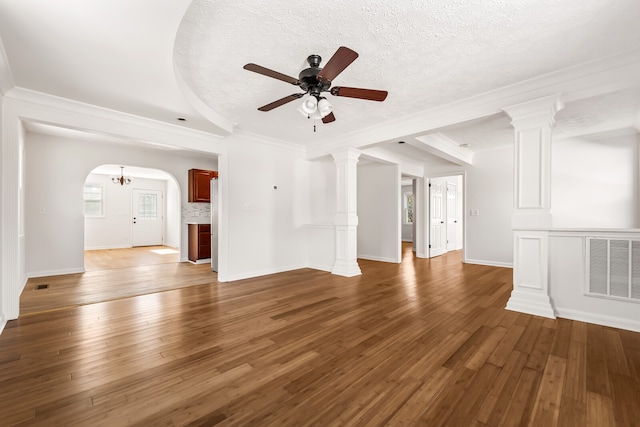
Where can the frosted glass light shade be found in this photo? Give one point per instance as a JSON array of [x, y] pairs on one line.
[[324, 108]]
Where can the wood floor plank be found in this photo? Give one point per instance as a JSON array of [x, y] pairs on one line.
[[424, 342], [546, 410]]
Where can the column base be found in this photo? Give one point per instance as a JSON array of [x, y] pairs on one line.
[[346, 269], [531, 302]]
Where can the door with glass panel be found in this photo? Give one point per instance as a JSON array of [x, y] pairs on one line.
[[148, 218]]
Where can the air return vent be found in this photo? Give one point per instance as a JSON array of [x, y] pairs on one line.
[[614, 268]]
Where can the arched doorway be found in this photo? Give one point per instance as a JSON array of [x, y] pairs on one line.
[[132, 217]]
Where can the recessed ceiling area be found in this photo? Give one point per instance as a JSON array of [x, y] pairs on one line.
[[186, 60]]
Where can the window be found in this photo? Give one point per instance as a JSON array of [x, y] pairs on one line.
[[408, 208], [94, 200], [147, 206]]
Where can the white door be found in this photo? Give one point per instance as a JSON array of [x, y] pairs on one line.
[[148, 220], [438, 236], [452, 222]]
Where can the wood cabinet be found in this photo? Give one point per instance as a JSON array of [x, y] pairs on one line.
[[199, 241], [200, 185]]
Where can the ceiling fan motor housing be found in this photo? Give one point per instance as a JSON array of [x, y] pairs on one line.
[[309, 77]]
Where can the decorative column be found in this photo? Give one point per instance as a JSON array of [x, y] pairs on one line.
[[531, 218], [346, 218]]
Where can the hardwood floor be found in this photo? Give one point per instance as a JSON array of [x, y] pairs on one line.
[[109, 259], [114, 274], [426, 342]]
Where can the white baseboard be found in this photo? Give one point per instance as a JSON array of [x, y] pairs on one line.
[[35, 274], [100, 248], [3, 323], [258, 273], [200, 261], [599, 319], [489, 263], [320, 267], [378, 258]]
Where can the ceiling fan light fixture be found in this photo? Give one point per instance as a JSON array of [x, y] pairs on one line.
[[310, 105], [324, 107]]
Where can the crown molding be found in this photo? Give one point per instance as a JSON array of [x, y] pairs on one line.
[[276, 143], [49, 109], [585, 80]]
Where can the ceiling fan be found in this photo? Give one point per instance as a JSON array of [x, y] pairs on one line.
[[315, 80]]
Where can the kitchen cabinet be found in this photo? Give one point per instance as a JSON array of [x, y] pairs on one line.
[[199, 241], [200, 185]]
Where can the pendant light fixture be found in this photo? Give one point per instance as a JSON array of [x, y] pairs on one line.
[[122, 180]]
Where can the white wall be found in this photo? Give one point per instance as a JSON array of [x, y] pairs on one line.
[[489, 190], [267, 226], [594, 182], [378, 195], [113, 230], [55, 172], [172, 233], [407, 229], [567, 283], [321, 233]]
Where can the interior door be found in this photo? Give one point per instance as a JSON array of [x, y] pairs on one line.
[[148, 218], [438, 236], [452, 221]]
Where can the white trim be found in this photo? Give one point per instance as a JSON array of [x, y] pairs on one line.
[[581, 81], [285, 145], [49, 109], [378, 258], [531, 301], [488, 263], [599, 319], [3, 323], [320, 267], [258, 273], [35, 274], [99, 248]]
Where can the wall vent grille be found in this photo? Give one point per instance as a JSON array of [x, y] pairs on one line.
[[613, 268]]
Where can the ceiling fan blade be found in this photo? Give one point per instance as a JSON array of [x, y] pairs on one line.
[[329, 118], [270, 73], [338, 62], [354, 92], [281, 101]]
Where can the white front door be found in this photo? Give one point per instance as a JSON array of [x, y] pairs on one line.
[[452, 223], [438, 235], [148, 219]]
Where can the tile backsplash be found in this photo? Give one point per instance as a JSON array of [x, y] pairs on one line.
[[196, 212]]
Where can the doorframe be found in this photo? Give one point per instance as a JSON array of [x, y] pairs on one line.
[[163, 212], [426, 219], [177, 209]]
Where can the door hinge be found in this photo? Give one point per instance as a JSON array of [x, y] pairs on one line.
[[429, 184], [429, 246]]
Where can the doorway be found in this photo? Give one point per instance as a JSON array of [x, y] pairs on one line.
[[147, 218], [445, 214], [132, 224]]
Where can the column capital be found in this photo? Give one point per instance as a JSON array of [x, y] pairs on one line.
[[535, 112], [346, 155]]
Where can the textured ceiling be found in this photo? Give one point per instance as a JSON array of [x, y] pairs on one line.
[[424, 53], [133, 56]]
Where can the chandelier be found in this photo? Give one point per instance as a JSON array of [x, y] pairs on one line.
[[122, 180]]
